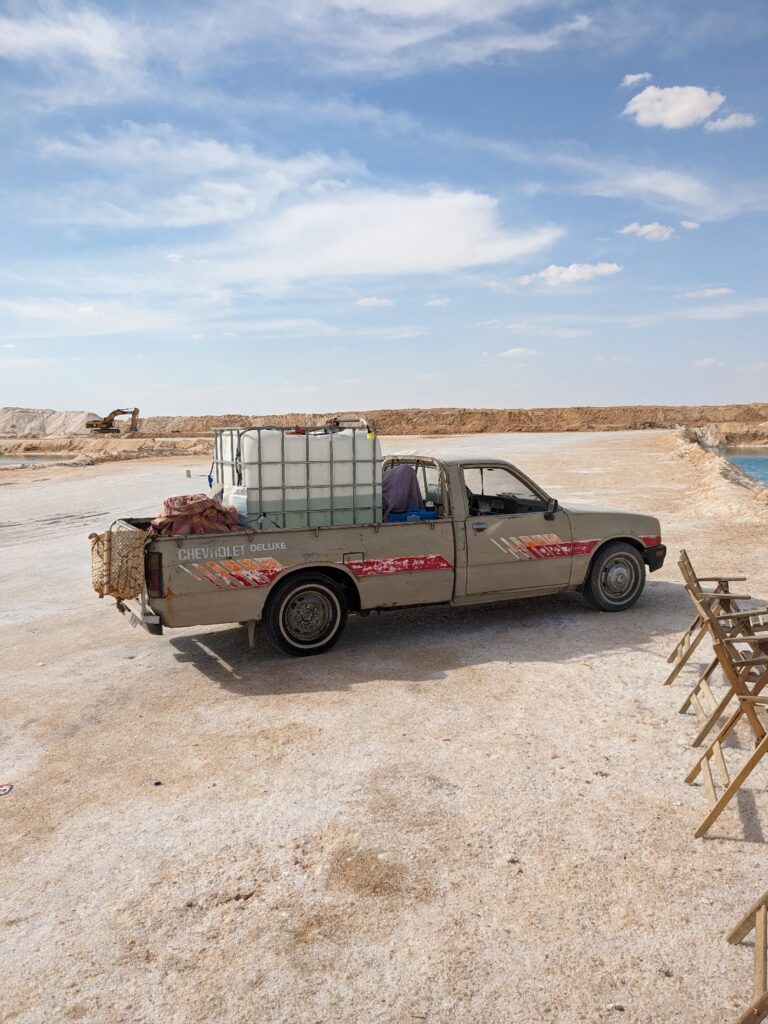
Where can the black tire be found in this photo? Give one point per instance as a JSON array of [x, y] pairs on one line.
[[616, 578], [306, 614]]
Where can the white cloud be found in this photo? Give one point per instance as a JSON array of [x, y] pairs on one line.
[[629, 80], [706, 361], [654, 232], [437, 302], [518, 353], [371, 302], [690, 225], [575, 273], [370, 231], [678, 106], [707, 293], [731, 122]]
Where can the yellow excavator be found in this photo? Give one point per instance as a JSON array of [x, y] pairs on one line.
[[106, 425]]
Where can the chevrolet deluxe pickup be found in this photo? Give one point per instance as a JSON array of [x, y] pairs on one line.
[[485, 532]]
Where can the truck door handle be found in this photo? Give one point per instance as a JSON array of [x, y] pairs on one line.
[[479, 526]]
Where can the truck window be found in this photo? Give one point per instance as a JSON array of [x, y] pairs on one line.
[[427, 490], [495, 491]]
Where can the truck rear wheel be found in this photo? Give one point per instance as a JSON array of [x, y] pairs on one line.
[[306, 614], [616, 578]]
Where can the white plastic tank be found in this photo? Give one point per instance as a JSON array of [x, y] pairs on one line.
[[303, 478]]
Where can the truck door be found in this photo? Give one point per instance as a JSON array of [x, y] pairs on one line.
[[510, 544]]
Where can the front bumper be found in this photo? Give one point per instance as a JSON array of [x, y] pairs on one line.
[[654, 556]]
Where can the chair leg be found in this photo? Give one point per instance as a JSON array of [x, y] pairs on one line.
[[684, 658], [701, 735], [683, 641], [757, 1011], [730, 791], [705, 676]]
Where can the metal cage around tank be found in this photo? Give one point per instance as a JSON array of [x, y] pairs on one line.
[[286, 484]]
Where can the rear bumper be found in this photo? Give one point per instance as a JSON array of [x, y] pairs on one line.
[[141, 616], [654, 557]]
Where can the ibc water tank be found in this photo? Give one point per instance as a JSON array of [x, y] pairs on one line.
[[314, 477], [225, 455]]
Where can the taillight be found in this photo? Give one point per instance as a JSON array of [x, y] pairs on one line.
[[154, 570]]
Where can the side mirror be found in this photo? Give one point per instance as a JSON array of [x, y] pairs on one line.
[[552, 507]]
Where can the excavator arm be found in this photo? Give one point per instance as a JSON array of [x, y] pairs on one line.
[[106, 424]]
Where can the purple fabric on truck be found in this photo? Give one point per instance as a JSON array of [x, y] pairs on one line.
[[400, 490]]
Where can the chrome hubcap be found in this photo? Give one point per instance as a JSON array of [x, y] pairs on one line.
[[618, 577]]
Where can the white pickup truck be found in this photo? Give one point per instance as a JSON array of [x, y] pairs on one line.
[[491, 534]]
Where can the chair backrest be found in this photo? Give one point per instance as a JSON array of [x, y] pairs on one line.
[[703, 604], [686, 568], [747, 674]]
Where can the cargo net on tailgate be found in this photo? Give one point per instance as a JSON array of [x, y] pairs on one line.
[[117, 562]]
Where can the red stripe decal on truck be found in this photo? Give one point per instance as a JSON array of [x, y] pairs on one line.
[[403, 563], [235, 573], [546, 545]]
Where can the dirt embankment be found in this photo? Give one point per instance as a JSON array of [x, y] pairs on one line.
[[751, 420], [38, 432], [484, 421], [737, 435], [90, 449]]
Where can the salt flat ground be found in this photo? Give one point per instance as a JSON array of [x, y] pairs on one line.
[[472, 815]]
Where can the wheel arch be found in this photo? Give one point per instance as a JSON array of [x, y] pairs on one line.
[[619, 538], [335, 572]]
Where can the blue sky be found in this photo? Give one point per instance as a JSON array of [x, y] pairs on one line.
[[322, 204]]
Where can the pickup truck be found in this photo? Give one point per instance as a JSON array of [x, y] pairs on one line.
[[495, 536]]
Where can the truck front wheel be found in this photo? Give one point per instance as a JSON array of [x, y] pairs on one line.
[[616, 578], [306, 614]]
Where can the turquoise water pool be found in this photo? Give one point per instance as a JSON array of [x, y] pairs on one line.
[[750, 461]]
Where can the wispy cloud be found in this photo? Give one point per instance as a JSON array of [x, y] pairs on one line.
[[707, 293], [630, 80], [159, 176], [398, 38], [518, 353], [544, 330], [372, 302], [730, 123], [84, 34], [654, 232]]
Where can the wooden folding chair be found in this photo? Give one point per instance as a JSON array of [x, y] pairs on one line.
[[747, 625], [695, 633], [756, 919], [747, 675]]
